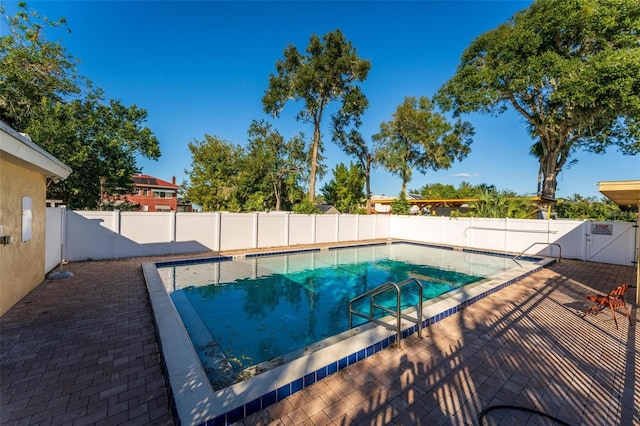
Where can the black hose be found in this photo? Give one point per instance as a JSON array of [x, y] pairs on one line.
[[515, 407]]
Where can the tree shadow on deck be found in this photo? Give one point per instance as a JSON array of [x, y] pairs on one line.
[[525, 346]]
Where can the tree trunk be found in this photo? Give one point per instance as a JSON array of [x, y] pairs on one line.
[[367, 186], [314, 162], [549, 169], [549, 186], [555, 153], [277, 190]]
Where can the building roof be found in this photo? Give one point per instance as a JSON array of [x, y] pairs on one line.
[[625, 193], [147, 180], [20, 149], [327, 209]]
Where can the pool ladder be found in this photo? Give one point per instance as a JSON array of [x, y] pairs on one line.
[[397, 313]]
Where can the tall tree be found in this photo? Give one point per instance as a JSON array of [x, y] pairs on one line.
[[346, 124], [214, 174], [570, 68], [269, 160], [344, 191], [33, 69], [99, 142], [421, 138], [328, 72], [42, 94]]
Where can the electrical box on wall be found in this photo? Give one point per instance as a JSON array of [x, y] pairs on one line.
[[4, 239]]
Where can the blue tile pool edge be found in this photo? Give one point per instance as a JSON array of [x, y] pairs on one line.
[[222, 258], [198, 416]]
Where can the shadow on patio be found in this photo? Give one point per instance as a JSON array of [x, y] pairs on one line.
[[526, 345], [83, 351]]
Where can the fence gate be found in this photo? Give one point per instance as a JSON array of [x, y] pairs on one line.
[[611, 242]]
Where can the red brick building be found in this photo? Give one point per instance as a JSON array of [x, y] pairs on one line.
[[153, 194]]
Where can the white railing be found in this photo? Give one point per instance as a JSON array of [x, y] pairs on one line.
[[113, 235]]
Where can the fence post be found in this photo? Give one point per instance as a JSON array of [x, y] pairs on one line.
[[314, 229], [172, 231], [586, 241], [338, 227], [287, 225], [255, 230], [117, 231], [505, 240], [218, 230]]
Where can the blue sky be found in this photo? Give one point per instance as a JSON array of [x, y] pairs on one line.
[[202, 68]]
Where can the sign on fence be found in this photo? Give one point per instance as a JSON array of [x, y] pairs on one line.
[[602, 229]]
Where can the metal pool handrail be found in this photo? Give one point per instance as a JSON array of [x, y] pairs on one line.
[[548, 244], [384, 288]]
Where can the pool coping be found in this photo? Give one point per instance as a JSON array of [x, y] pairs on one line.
[[192, 398]]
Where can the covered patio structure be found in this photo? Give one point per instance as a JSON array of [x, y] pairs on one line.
[[626, 194]]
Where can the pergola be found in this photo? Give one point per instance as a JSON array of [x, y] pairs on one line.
[[626, 194]]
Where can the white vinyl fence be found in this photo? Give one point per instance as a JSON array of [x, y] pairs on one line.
[[112, 235], [53, 238]]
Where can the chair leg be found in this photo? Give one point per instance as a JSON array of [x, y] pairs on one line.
[[613, 314]]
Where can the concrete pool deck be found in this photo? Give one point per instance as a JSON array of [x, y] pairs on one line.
[[83, 350]]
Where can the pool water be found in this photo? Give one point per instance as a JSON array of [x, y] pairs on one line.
[[248, 311]]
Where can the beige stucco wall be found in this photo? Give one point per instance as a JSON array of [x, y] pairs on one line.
[[21, 263]]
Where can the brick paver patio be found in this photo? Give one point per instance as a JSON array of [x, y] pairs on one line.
[[83, 351]]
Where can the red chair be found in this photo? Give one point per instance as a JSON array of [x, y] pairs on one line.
[[614, 300]]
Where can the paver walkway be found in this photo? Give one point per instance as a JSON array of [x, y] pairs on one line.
[[83, 351]]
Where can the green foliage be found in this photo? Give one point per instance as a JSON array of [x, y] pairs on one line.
[[577, 207], [32, 69], [570, 68], [346, 124], [263, 176], [327, 73], [99, 142], [42, 95], [464, 190], [272, 168], [418, 137], [344, 191], [305, 207], [503, 204], [400, 205], [438, 191], [126, 206], [214, 174]]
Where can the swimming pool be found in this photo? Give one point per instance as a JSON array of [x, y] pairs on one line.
[[307, 294]]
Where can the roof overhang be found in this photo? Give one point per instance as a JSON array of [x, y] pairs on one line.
[[21, 150], [625, 193]]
